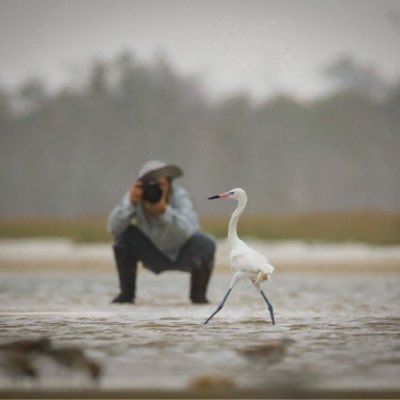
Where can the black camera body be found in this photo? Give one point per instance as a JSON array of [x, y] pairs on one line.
[[151, 192]]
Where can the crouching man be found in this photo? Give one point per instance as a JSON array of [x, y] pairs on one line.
[[155, 223]]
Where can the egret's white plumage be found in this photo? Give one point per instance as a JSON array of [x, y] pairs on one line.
[[244, 258], [248, 263]]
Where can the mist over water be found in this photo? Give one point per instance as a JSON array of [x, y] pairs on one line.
[[344, 329]]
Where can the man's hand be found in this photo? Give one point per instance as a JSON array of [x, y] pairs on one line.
[[135, 194], [157, 209]]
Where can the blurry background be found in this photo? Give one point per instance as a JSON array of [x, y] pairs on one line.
[[298, 102]]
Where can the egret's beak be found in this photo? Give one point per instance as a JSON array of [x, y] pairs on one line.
[[219, 196]]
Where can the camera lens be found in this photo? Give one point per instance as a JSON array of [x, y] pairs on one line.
[[152, 192]]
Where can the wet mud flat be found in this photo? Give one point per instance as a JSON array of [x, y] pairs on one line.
[[337, 335]]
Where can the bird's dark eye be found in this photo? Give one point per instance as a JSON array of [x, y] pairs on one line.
[[231, 192]]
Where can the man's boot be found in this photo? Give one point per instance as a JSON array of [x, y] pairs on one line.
[[199, 279], [126, 267]]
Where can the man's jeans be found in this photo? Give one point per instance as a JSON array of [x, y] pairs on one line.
[[196, 256]]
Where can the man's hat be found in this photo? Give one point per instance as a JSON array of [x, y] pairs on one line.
[[154, 168]]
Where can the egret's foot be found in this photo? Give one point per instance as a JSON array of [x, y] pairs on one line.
[[271, 313], [270, 308]]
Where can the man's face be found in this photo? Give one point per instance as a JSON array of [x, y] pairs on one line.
[[164, 183]]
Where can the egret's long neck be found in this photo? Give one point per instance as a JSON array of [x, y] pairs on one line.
[[232, 229]]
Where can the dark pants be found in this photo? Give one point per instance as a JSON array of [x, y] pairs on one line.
[[196, 256]]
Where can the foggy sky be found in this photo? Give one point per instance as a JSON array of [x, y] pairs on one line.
[[261, 45]]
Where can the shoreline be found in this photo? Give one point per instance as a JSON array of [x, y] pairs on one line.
[[287, 256]]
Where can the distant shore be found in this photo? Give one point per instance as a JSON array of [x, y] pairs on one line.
[[361, 226], [286, 256]]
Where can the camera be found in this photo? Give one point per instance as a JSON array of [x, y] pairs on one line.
[[152, 192]]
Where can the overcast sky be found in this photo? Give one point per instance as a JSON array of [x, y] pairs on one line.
[[260, 45]]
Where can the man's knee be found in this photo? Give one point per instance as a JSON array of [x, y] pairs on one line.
[[127, 237], [128, 242], [203, 245]]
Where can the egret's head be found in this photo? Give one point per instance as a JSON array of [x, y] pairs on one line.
[[237, 194]]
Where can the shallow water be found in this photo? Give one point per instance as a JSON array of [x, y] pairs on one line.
[[345, 329]]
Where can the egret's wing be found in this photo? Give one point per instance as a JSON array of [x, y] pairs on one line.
[[246, 259]]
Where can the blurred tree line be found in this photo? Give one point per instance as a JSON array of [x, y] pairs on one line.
[[76, 150]]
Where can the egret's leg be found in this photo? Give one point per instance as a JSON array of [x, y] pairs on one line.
[[220, 306], [270, 308], [235, 279]]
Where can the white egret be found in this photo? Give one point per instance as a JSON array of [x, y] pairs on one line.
[[248, 263]]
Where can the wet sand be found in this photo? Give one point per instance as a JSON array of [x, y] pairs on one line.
[[341, 330]]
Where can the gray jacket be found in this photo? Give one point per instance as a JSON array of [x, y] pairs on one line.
[[169, 231]]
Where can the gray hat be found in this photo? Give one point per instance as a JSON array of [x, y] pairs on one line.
[[154, 168]]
